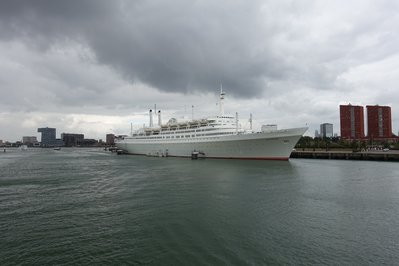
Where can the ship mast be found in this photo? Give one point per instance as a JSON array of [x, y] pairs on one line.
[[221, 104]]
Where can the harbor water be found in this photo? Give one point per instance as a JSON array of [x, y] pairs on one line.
[[89, 206]]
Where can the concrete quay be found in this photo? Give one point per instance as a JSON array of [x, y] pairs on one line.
[[391, 155]]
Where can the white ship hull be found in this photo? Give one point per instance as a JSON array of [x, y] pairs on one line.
[[276, 145]]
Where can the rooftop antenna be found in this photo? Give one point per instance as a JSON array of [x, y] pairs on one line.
[[192, 112], [221, 105]]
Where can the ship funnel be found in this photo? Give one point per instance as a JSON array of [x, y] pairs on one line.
[[151, 118], [159, 118]]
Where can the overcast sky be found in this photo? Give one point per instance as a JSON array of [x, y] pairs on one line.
[[94, 67]]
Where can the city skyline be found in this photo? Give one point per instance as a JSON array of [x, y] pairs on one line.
[[326, 129], [97, 67]]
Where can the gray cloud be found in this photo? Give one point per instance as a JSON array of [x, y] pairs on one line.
[[184, 46], [173, 46], [88, 56]]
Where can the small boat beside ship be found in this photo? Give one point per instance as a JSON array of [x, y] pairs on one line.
[[220, 136]]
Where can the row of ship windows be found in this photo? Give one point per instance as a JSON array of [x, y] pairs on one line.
[[183, 131], [188, 131], [184, 139], [183, 136]]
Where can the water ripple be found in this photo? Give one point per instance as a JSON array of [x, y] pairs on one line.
[[86, 206]]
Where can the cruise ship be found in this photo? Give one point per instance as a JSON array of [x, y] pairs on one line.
[[220, 136]]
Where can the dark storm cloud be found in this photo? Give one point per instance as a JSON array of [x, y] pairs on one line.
[[170, 45], [300, 59], [196, 45], [251, 47], [41, 23]]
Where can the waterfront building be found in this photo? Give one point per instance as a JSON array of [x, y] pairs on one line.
[[29, 140], [326, 130], [351, 121], [87, 142], [316, 134], [71, 139], [1, 142], [379, 122], [59, 142], [110, 139], [48, 136]]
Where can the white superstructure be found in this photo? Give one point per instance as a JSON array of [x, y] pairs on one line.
[[215, 137]]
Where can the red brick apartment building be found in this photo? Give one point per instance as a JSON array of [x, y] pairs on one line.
[[379, 122], [352, 121]]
